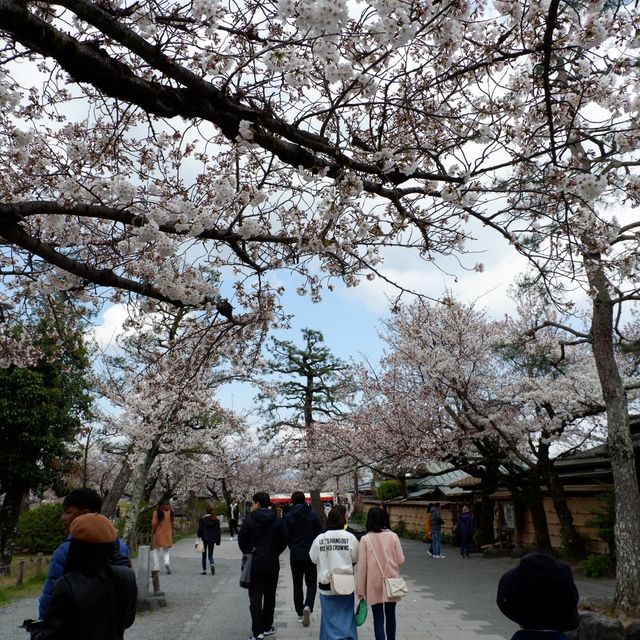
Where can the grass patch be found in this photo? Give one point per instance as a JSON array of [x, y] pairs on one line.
[[31, 587]]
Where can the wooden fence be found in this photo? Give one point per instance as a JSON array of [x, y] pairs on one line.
[[23, 569]]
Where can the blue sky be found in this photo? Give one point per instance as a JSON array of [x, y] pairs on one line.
[[350, 318]]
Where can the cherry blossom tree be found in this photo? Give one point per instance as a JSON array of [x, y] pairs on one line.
[[495, 381], [163, 387], [150, 142]]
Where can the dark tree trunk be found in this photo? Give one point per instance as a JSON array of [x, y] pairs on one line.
[[625, 479], [535, 502], [110, 504], [150, 485], [487, 535], [226, 494], [318, 507], [9, 516], [526, 488], [572, 541]]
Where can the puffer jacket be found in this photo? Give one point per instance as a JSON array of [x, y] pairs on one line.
[[209, 529], [96, 607], [263, 533], [303, 526]]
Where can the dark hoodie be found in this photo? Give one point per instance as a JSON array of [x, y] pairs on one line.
[[209, 529], [465, 527], [303, 527], [263, 534]]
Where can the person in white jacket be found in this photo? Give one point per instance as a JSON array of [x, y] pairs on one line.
[[335, 551]]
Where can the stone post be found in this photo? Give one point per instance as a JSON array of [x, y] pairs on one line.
[[142, 572], [148, 601]]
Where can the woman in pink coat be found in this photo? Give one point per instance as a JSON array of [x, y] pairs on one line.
[[385, 545]]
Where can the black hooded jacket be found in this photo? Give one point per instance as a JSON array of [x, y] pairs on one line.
[[97, 607], [265, 535], [303, 527], [209, 529]]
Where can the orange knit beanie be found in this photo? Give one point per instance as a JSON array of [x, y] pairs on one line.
[[93, 528]]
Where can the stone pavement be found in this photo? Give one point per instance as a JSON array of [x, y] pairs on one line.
[[449, 599]]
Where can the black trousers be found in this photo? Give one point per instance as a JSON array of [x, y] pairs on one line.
[[262, 601], [304, 569], [233, 527]]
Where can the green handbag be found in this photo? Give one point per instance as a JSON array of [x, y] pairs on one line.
[[361, 612]]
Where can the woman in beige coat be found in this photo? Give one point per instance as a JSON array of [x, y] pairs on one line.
[[162, 528], [385, 545]]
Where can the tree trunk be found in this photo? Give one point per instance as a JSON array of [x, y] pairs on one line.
[[625, 479], [110, 504], [150, 484], [487, 535], [535, 502], [527, 489], [318, 507], [9, 516], [572, 541], [226, 494], [137, 497]]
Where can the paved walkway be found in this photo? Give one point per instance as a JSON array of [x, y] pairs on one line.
[[449, 599]]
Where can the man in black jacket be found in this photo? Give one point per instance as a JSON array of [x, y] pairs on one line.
[[303, 526], [263, 534]]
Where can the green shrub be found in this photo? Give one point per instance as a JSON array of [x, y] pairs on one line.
[[597, 566], [359, 518], [41, 529], [400, 529], [221, 509], [388, 489]]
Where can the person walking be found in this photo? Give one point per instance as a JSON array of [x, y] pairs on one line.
[[162, 523], [436, 530], [209, 533], [264, 535], [303, 526], [427, 530], [380, 550], [94, 599], [541, 597], [335, 552], [234, 517], [78, 502], [465, 531]]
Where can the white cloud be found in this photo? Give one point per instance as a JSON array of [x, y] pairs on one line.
[[110, 326], [489, 288]]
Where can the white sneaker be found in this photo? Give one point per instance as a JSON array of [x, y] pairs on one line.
[[306, 617], [300, 619]]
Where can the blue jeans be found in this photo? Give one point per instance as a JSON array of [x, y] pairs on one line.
[[207, 553], [384, 615], [435, 541]]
